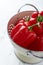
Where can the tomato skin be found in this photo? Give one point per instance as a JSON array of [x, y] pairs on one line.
[[35, 14]]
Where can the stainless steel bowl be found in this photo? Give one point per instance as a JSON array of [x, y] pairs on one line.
[[23, 54]]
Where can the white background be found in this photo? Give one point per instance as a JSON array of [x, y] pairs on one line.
[[8, 8]]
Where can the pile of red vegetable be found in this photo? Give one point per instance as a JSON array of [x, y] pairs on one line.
[[28, 32]]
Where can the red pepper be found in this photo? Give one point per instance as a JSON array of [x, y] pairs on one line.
[[22, 35], [37, 29], [41, 24], [31, 36], [41, 13], [35, 15], [21, 20], [24, 20], [15, 29], [31, 39], [37, 45], [32, 21]]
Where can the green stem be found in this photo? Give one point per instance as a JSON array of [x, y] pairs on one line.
[[30, 27], [39, 18], [27, 19]]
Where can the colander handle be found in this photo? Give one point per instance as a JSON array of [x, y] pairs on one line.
[[37, 54], [29, 5]]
